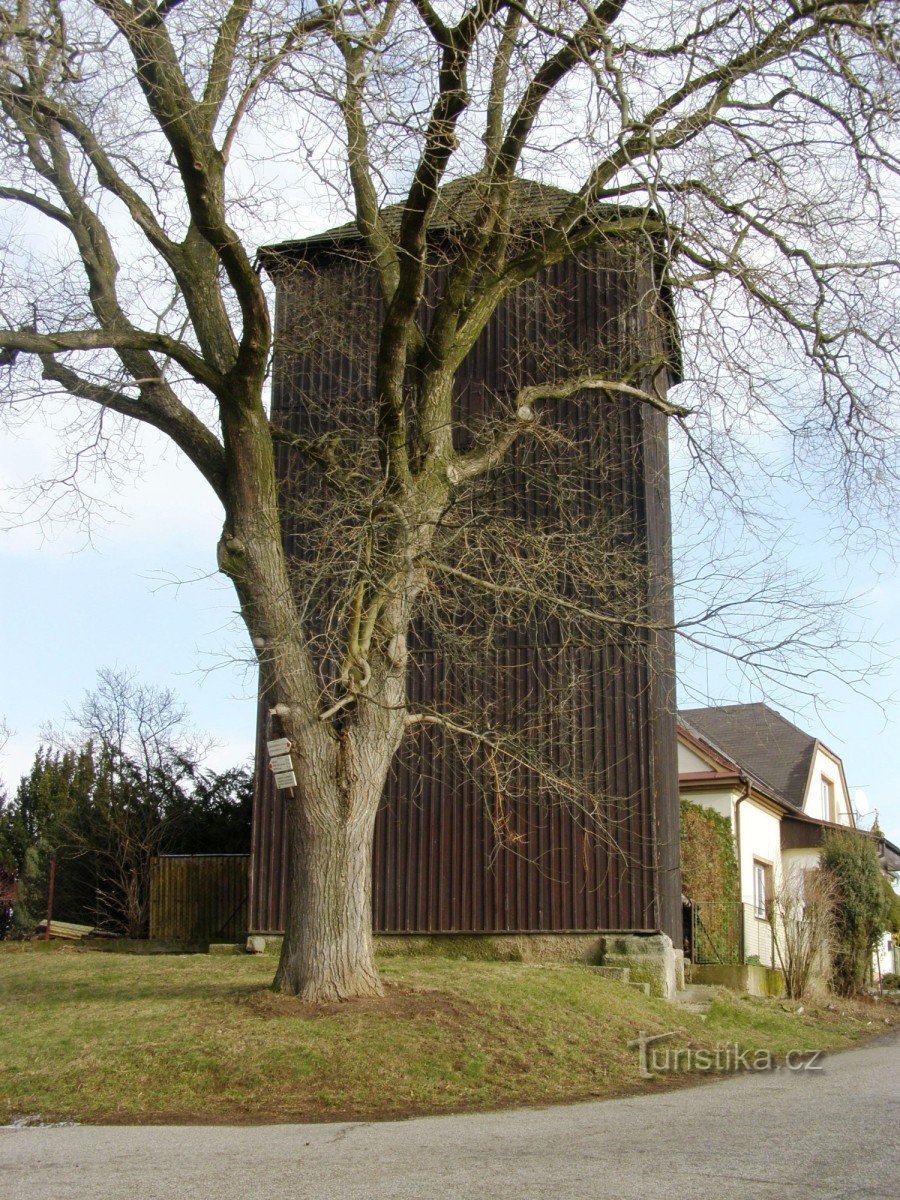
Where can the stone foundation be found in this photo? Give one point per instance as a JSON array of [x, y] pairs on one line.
[[650, 957]]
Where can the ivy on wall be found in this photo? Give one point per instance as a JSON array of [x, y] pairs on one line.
[[709, 869], [862, 909]]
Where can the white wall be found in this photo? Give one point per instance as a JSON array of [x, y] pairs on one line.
[[829, 766], [689, 761], [760, 840], [884, 959], [806, 859], [722, 802]]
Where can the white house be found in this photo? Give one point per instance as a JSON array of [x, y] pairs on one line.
[[887, 956], [780, 788]]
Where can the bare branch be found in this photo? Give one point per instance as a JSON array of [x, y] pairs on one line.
[[155, 405], [27, 341], [490, 451]]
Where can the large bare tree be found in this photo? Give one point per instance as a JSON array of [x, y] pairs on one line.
[[753, 143]]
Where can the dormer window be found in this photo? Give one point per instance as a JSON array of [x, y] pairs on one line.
[[829, 812]]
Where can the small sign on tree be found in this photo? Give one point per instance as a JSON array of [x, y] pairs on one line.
[[281, 762]]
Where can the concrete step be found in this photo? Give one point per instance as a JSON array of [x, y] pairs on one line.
[[696, 997], [639, 986], [619, 974]]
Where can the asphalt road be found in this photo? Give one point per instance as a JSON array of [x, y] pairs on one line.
[[796, 1136]]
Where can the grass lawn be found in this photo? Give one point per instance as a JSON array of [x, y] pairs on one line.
[[121, 1038]]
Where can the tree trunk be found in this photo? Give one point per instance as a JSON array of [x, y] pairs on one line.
[[341, 764], [328, 952]]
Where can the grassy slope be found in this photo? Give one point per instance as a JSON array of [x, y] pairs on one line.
[[110, 1037]]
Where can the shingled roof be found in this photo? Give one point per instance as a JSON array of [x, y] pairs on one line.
[[533, 206], [455, 208], [762, 742], [458, 203]]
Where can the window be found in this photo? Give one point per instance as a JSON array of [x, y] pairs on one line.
[[828, 810], [762, 873]]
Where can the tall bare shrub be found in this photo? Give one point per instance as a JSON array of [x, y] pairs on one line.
[[803, 923]]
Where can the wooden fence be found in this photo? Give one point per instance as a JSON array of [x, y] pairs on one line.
[[199, 897]]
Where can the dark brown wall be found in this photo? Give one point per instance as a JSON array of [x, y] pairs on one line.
[[445, 858]]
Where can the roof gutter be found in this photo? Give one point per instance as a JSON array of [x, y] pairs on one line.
[[745, 795]]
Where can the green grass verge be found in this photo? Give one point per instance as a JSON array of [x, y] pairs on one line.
[[106, 1037]]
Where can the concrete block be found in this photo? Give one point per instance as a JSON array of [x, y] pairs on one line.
[[679, 969], [497, 947], [649, 957], [739, 977], [644, 988], [619, 974]]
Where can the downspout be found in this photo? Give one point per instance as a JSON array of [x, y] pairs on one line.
[[745, 795]]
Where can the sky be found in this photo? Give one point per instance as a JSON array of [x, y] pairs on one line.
[[141, 593], [851, 697]]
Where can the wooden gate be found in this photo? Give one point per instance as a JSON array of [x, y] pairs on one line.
[[199, 897]]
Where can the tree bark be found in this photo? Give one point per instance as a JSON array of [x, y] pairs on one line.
[[328, 951], [341, 766]]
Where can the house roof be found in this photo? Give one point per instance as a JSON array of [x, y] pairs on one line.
[[889, 853], [724, 766], [762, 742], [799, 831], [760, 746]]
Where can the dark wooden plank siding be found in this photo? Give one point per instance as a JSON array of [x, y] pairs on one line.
[[199, 897], [445, 858]]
